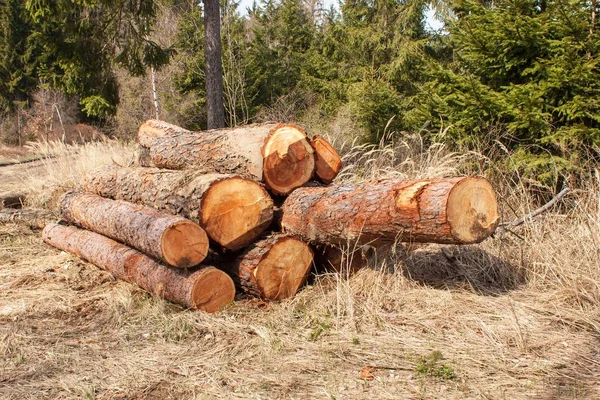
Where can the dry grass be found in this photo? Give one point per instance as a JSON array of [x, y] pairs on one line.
[[514, 317]]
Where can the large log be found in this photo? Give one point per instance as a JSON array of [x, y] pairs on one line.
[[279, 155], [273, 268], [232, 210], [207, 289], [173, 239], [328, 162], [453, 211], [31, 217]]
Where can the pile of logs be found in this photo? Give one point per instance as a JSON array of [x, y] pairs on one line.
[[204, 213]]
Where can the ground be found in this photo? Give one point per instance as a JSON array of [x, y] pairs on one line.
[[517, 316]]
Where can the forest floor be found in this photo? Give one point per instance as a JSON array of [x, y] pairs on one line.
[[517, 316]]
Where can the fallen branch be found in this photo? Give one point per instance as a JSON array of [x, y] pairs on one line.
[[536, 212]]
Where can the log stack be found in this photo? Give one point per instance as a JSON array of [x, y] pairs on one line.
[[195, 218]]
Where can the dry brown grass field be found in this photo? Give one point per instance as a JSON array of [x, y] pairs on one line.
[[516, 317]]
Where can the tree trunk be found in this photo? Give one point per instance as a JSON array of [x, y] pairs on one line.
[[153, 128], [214, 69], [328, 162], [451, 210], [273, 268], [207, 289], [232, 210], [31, 217], [12, 200], [277, 154], [173, 239]]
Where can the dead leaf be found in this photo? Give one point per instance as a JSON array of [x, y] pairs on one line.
[[367, 373]]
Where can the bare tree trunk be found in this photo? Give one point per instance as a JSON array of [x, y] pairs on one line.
[[154, 93], [214, 69]]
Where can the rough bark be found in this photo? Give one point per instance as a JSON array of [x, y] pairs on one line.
[[31, 217], [207, 289], [452, 210], [328, 162], [173, 239], [232, 210], [279, 155], [153, 128], [273, 268], [214, 70], [12, 200]]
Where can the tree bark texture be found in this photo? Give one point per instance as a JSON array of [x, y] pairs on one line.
[[207, 289], [214, 69], [31, 217], [328, 162], [153, 128], [279, 155], [232, 210], [173, 239], [451, 210]]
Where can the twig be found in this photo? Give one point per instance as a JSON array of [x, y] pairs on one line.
[[537, 212]]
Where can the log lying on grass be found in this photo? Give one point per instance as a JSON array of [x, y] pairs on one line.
[[452, 211], [273, 268], [12, 200], [207, 289], [232, 210], [176, 240], [328, 162], [31, 217], [279, 155]]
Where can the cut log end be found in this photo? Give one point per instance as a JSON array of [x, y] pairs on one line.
[[184, 244], [289, 160], [284, 269], [472, 210], [328, 162], [235, 211], [213, 289]]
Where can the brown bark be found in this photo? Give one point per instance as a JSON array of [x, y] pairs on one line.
[[451, 210], [232, 210], [154, 128], [207, 289], [273, 268], [328, 162], [213, 64], [173, 239], [12, 200], [277, 154], [31, 217]]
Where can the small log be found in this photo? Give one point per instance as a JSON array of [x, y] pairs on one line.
[[279, 155], [154, 128], [207, 289], [232, 210], [273, 268], [173, 239], [328, 162], [31, 217], [451, 210]]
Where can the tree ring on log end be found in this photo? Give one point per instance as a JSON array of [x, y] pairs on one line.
[[472, 210], [289, 160], [213, 289], [184, 244], [235, 211], [283, 269]]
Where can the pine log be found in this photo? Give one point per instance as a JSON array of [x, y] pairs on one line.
[[12, 200], [154, 128], [232, 210], [328, 162], [452, 211], [173, 239], [31, 217], [279, 155], [207, 289], [273, 268]]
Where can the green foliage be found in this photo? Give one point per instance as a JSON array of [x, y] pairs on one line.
[[432, 365]]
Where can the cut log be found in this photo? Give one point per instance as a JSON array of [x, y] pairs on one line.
[[31, 217], [207, 289], [328, 162], [279, 155], [452, 211], [273, 268], [12, 200], [232, 210], [173, 239], [154, 128]]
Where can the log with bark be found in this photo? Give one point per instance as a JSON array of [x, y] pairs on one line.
[[173, 239], [31, 217], [232, 210], [279, 155], [451, 210], [273, 268], [207, 289], [328, 162], [154, 128]]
